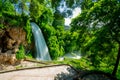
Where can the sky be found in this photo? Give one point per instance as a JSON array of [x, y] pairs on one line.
[[76, 12], [63, 8]]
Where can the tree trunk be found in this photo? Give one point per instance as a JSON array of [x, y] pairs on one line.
[[117, 62]]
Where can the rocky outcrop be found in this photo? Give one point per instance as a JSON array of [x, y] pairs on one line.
[[10, 40], [7, 57], [18, 34]]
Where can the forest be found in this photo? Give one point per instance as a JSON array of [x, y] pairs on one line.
[[94, 33]]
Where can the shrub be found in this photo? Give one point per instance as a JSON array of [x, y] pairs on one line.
[[21, 53]]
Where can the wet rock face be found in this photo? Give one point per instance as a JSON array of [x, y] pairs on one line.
[[10, 40]]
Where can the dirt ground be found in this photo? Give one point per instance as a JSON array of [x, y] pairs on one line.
[[37, 71], [23, 64], [33, 70]]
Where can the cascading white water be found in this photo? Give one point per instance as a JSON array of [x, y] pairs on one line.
[[42, 52]]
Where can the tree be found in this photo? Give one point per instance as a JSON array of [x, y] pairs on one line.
[[99, 21], [22, 6], [36, 9], [58, 20], [7, 7]]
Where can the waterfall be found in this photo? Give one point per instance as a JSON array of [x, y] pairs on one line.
[[42, 52]]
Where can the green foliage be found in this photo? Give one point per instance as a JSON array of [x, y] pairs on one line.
[[53, 34], [55, 3], [29, 56], [118, 73], [28, 29], [95, 32], [56, 49], [14, 22], [46, 18], [55, 46], [70, 40], [98, 29], [1, 26], [85, 64], [58, 20], [82, 63], [0, 9], [21, 53], [36, 9], [7, 7]]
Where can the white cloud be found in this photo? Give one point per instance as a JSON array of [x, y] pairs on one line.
[[76, 12], [67, 21]]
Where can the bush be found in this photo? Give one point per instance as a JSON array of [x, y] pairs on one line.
[[28, 31], [21, 53]]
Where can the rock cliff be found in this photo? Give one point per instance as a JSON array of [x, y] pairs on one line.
[[10, 40]]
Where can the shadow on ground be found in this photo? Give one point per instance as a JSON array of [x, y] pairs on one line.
[[85, 75], [70, 75]]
